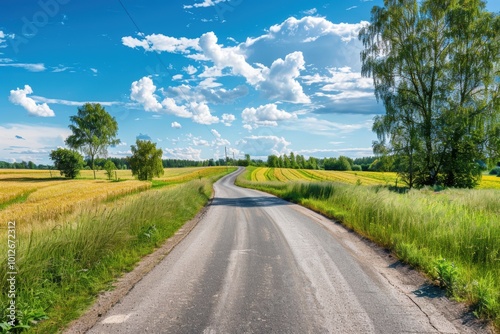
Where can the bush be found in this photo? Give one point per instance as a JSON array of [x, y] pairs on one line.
[[495, 171], [68, 162], [356, 168]]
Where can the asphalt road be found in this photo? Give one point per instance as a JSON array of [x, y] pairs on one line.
[[258, 264]]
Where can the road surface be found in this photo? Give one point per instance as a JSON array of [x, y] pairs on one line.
[[258, 264]]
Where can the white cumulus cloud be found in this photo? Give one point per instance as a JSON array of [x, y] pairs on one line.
[[190, 69], [187, 153], [229, 57], [20, 97], [280, 80], [176, 125], [262, 146], [160, 42], [266, 115], [172, 108], [143, 91], [201, 114], [309, 29], [228, 119]]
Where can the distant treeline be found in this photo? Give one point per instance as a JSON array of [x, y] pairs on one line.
[[284, 161], [122, 163], [341, 163], [297, 161]]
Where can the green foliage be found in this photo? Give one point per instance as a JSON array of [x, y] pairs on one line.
[[109, 167], [69, 162], [495, 171], [341, 163], [272, 161], [447, 275], [145, 161], [93, 131], [434, 66], [356, 168]]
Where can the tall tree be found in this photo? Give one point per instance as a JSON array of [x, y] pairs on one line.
[[93, 131], [272, 161], [435, 66], [146, 160]]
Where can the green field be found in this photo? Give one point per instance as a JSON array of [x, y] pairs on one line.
[[453, 235], [263, 174]]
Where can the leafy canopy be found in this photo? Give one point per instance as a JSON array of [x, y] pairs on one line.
[[93, 131], [435, 66], [69, 162], [145, 161], [109, 167]]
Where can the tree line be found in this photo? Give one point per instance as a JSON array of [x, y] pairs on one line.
[[342, 163]]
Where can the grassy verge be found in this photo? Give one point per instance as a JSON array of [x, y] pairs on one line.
[[453, 236], [61, 271]]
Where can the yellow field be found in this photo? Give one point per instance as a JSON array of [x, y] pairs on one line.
[[286, 174], [178, 175], [263, 174], [490, 182], [47, 198]]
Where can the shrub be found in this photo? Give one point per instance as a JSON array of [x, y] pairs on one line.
[[69, 162], [495, 171]]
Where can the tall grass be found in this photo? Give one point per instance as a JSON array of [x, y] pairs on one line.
[[453, 235], [61, 271]]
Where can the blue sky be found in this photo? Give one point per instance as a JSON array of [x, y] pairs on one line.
[[194, 76]]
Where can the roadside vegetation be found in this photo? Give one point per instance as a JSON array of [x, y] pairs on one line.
[[65, 260], [452, 235]]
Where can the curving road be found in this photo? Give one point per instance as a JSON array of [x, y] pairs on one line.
[[258, 264]]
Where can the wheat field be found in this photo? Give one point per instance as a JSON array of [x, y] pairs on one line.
[[35, 198]]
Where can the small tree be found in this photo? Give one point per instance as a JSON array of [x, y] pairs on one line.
[[93, 131], [68, 162], [145, 161], [109, 167]]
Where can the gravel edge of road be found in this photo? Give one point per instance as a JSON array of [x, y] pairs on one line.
[[124, 284]]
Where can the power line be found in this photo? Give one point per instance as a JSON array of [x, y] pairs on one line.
[[157, 55], [143, 34]]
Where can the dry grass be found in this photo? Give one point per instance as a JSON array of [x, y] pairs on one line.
[[49, 200], [35, 200]]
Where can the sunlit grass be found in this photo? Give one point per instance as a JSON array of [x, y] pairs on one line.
[[33, 198], [65, 265], [452, 235]]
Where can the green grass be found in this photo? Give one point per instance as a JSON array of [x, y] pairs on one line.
[[19, 199], [453, 236], [61, 271]]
